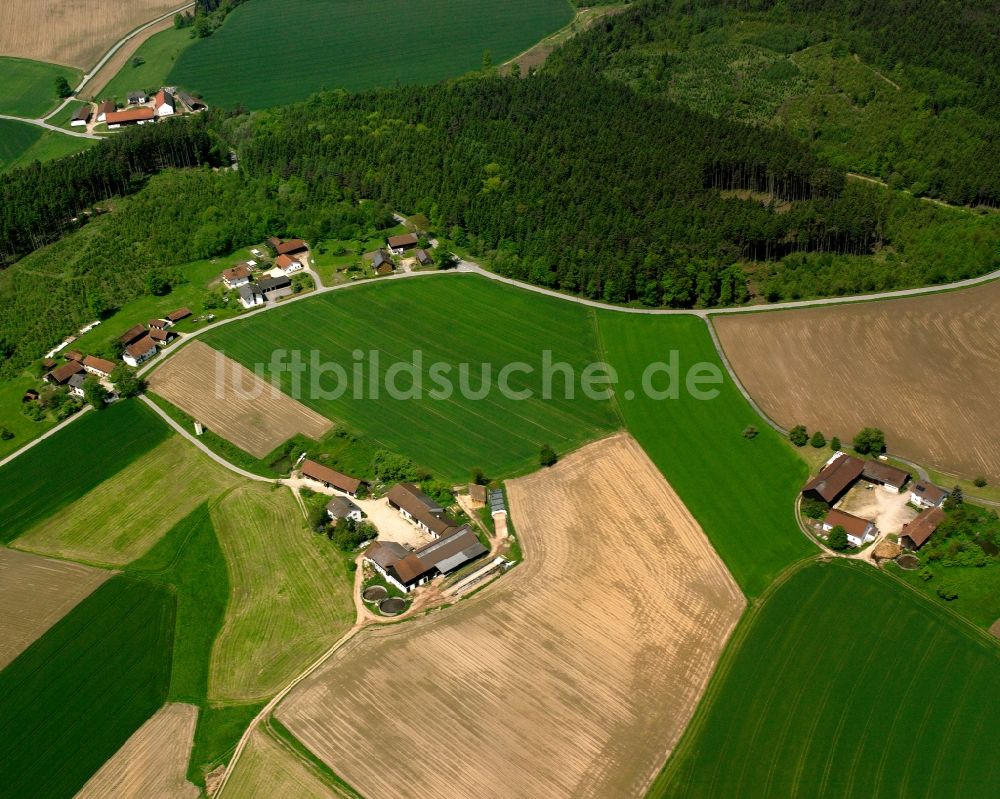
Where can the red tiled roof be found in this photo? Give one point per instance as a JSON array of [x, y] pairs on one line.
[[100, 364], [237, 272], [129, 115], [180, 313], [854, 525], [290, 246], [63, 373], [317, 471], [141, 347]]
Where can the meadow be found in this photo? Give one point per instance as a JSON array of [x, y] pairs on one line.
[[11, 417], [159, 54], [333, 44], [21, 144], [27, 88], [61, 469], [453, 320], [70, 700], [820, 696], [123, 517], [741, 491]]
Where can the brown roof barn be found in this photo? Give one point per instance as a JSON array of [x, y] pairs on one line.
[[916, 533], [180, 313], [330, 477], [132, 334], [420, 507], [61, 374], [834, 479], [161, 336], [129, 116], [141, 347], [94, 364], [291, 247], [402, 242], [853, 525], [884, 474]]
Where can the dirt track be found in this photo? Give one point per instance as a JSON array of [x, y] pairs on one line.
[[232, 401], [573, 676], [925, 369], [35, 593]]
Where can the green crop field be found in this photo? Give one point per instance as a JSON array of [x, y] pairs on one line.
[[70, 700], [450, 320], [22, 143], [27, 88], [845, 684], [741, 491], [270, 53], [64, 467], [159, 52]]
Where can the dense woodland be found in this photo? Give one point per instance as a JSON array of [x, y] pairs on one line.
[[566, 179]]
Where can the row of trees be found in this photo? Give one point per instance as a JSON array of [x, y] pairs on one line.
[[868, 441]]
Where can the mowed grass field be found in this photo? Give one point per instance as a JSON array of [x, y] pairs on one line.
[[272, 53], [290, 594], [120, 519], [62, 468], [159, 54], [28, 88], [22, 143], [70, 700], [741, 491], [451, 320], [845, 684]]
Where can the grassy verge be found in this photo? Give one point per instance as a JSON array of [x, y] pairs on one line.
[[283, 734]]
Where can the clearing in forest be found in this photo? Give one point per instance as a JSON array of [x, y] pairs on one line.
[[76, 33], [119, 520], [573, 676], [232, 401], [153, 762], [924, 369], [35, 593]]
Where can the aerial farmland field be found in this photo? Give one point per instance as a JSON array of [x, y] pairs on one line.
[[27, 88], [268, 768], [551, 682], [22, 143], [448, 319], [924, 369], [356, 44], [61, 469], [740, 491], [84, 687], [845, 684]]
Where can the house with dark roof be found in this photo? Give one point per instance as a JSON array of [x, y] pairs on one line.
[[915, 534], [408, 570], [342, 508], [927, 495], [382, 263], [251, 296], [423, 258], [274, 287], [834, 479], [399, 244], [75, 384], [132, 335], [180, 313], [81, 117], [859, 531], [415, 506], [103, 108], [134, 98], [61, 374], [141, 350], [330, 478], [161, 336], [161, 324], [192, 103], [889, 477]]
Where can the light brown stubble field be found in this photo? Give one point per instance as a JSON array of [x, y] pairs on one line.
[[72, 32], [926, 370], [574, 675], [152, 764], [36, 592], [232, 401], [268, 768]]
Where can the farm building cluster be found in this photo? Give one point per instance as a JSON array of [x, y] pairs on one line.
[[74, 372], [274, 280], [404, 244], [141, 109], [142, 342], [912, 510]]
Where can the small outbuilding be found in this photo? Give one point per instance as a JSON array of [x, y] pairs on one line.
[[916, 533], [342, 508], [81, 117], [889, 477], [330, 478]]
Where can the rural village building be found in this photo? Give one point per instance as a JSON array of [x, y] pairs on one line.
[[889, 477], [415, 506], [161, 336], [251, 296], [61, 374], [834, 479], [927, 495], [916, 533], [142, 350], [98, 366], [292, 247], [330, 478], [130, 116], [342, 508], [73, 355], [286, 264], [160, 324], [407, 570], [192, 103], [477, 495], [132, 335], [180, 313], [859, 531], [423, 258], [30, 395], [236, 276], [75, 384], [134, 98], [398, 244], [81, 117], [163, 103], [104, 108], [382, 263]]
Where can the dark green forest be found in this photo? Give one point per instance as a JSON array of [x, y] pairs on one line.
[[568, 179]]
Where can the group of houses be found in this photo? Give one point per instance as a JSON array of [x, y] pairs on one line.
[[289, 257], [381, 259], [141, 109], [142, 342], [452, 544], [842, 472], [73, 372]]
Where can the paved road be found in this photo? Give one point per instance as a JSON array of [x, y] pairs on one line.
[[43, 124], [45, 435]]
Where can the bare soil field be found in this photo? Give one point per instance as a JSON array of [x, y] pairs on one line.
[[268, 768], [153, 762], [232, 401], [123, 517], [925, 369], [72, 32], [574, 675], [35, 593]]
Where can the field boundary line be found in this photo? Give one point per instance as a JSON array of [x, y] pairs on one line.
[[51, 431]]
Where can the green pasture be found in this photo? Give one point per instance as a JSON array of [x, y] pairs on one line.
[[269, 53], [22, 143], [740, 490], [844, 684], [159, 53], [450, 320], [66, 466], [70, 700], [28, 88], [11, 417]]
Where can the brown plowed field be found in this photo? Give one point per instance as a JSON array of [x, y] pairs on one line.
[[232, 401], [72, 32], [152, 764], [574, 675], [926, 370], [35, 593]]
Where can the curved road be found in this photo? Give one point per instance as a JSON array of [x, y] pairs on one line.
[[40, 122]]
